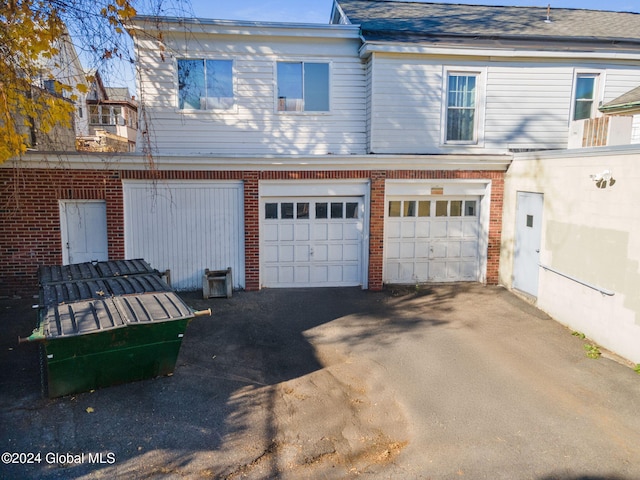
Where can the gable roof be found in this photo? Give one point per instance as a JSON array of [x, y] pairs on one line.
[[387, 20], [627, 101]]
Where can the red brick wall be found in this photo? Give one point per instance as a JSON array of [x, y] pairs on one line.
[[30, 220], [251, 231], [376, 229]]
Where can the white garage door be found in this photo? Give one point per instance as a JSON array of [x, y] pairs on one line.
[[186, 226], [312, 241], [431, 239]]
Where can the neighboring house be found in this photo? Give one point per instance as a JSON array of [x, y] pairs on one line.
[[627, 104], [367, 151], [618, 125], [113, 119], [63, 68]]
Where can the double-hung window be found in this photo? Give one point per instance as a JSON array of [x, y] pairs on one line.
[[585, 95], [205, 84], [303, 87], [461, 107]]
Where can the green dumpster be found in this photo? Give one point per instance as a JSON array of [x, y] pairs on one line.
[[95, 338]]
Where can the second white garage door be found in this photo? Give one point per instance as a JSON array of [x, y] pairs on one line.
[[431, 239], [312, 241]]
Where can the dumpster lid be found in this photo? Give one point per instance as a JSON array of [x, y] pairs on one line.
[[117, 268], [91, 270], [91, 316], [76, 290]]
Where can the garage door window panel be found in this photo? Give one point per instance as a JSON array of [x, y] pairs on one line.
[[286, 210], [270, 211], [351, 209], [470, 208], [336, 210], [455, 208], [424, 208], [322, 210], [409, 209], [395, 208]]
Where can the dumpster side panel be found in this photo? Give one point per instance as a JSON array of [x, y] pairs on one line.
[[81, 363]]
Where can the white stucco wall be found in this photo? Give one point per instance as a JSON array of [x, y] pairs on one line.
[[589, 232]]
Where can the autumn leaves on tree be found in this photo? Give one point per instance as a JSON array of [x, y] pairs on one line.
[[31, 36]]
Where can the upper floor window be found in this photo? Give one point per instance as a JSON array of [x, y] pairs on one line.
[[585, 95], [112, 115], [105, 115], [303, 87], [205, 84], [462, 105]]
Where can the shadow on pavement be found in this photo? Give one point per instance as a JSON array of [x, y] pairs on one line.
[[215, 417]]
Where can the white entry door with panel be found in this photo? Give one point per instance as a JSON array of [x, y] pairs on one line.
[[83, 230], [526, 259]]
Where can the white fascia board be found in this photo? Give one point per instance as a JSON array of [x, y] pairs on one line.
[[369, 48], [101, 161], [232, 27]]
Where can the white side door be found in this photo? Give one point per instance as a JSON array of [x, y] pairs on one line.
[[526, 260], [83, 229]]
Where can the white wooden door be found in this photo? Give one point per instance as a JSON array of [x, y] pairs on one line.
[[83, 229], [526, 259], [431, 239], [312, 241], [186, 227]]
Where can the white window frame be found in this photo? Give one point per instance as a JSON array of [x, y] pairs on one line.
[[478, 128], [303, 61], [233, 109], [597, 91]]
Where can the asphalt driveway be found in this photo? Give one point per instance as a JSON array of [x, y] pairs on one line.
[[439, 382]]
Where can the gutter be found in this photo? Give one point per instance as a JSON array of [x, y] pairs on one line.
[[621, 107], [493, 51]]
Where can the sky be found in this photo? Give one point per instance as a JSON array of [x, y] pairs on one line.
[[318, 11]]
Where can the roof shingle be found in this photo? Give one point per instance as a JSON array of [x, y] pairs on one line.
[[384, 20]]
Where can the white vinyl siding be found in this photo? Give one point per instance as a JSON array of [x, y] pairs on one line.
[[528, 105], [254, 126], [186, 226], [406, 104], [618, 81]]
